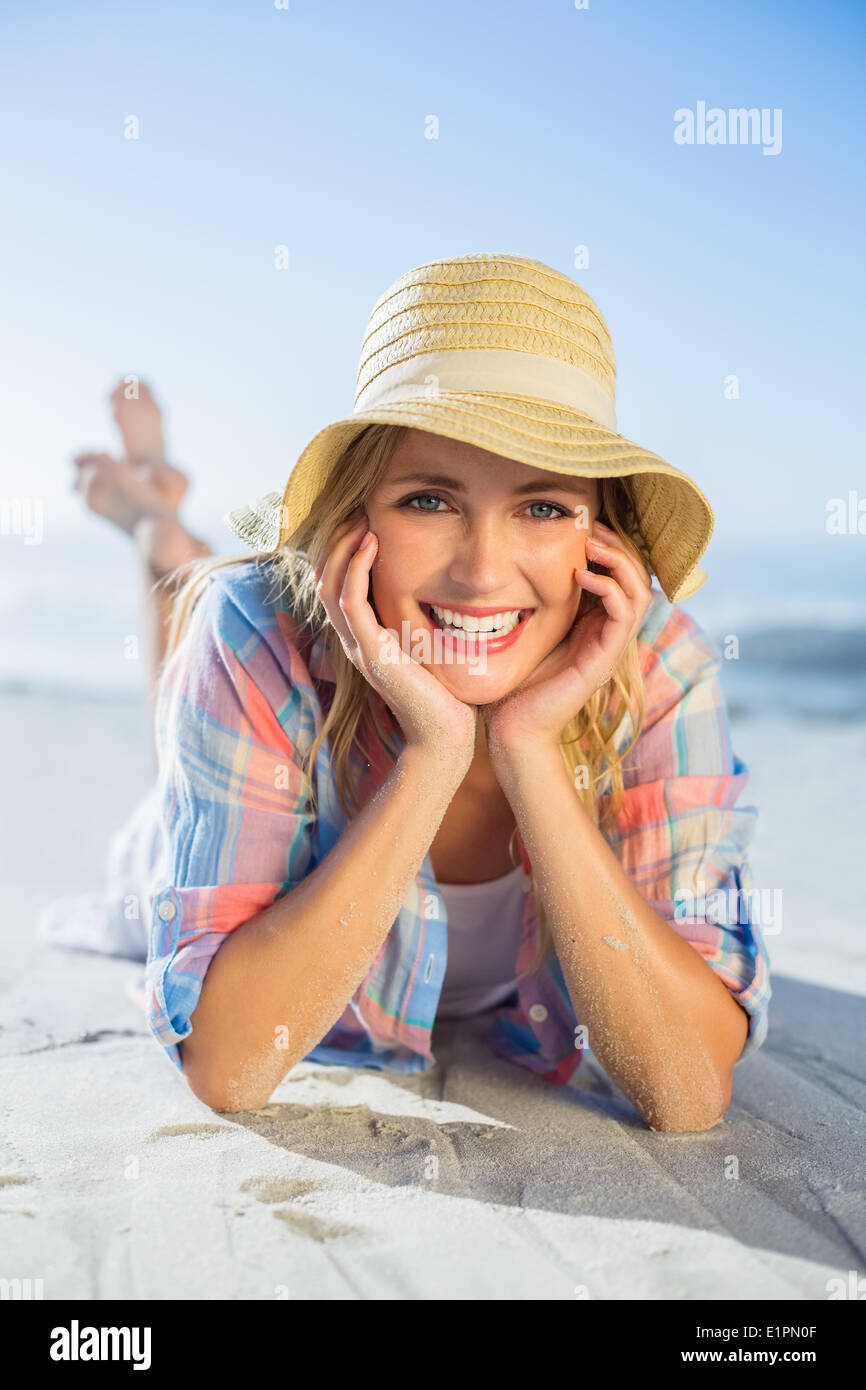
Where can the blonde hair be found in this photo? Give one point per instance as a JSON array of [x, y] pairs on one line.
[[358, 717]]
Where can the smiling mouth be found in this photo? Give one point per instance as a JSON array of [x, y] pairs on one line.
[[479, 631]]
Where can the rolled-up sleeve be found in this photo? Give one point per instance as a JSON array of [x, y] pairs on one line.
[[682, 835], [235, 818]]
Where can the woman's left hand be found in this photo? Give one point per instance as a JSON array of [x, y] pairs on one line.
[[534, 715]]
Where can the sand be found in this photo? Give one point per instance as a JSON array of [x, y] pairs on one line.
[[475, 1180]]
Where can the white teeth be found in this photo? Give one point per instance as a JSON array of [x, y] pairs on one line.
[[500, 623]]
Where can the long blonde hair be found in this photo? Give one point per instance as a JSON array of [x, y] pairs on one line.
[[358, 718]]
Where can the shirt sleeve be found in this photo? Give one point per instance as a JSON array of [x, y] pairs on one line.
[[682, 835], [235, 817]]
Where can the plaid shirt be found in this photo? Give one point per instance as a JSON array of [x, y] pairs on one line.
[[237, 707]]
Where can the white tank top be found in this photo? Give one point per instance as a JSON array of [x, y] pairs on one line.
[[485, 926]]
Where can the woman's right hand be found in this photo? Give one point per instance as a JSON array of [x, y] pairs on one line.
[[430, 717]]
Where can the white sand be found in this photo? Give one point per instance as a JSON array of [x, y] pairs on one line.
[[475, 1180]]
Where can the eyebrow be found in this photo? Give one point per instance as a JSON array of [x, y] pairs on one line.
[[440, 480]]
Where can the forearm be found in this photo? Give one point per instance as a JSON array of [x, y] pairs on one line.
[[659, 1019], [281, 980]]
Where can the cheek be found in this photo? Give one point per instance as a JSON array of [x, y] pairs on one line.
[[565, 542], [395, 572], [553, 567], [405, 555]]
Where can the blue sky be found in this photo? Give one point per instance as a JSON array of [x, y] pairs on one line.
[[306, 127]]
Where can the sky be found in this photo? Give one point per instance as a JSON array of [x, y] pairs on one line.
[[305, 127]]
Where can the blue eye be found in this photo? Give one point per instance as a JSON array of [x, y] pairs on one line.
[[558, 510], [419, 497]]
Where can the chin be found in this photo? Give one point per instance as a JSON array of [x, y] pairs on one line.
[[478, 690]]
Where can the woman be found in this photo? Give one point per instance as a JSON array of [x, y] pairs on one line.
[[345, 766]]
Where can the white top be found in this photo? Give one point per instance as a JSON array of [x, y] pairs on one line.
[[485, 926]]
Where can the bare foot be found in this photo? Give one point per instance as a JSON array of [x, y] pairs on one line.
[[168, 481], [115, 489], [120, 492], [139, 420]]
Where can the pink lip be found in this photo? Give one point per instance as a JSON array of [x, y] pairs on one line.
[[485, 644]]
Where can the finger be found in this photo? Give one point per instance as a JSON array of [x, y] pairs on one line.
[[615, 546], [615, 601], [354, 605], [608, 536], [633, 581], [634, 613], [343, 532], [332, 579]]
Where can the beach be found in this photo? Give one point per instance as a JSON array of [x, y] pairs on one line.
[[474, 1180], [195, 352]]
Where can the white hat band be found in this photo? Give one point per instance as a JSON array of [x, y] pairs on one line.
[[490, 369]]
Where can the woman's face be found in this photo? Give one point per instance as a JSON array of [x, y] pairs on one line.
[[465, 529]]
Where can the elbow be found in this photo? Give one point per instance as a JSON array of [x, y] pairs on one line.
[[204, 1079], [690, 1116], [205, 1084], [223, 1095], [227, 1091]]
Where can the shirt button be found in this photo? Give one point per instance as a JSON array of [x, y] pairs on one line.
[[538, 1013], [166, 911]]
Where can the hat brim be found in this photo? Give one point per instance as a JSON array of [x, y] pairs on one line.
[[675, 518]]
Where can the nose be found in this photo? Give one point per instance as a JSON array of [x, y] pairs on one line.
[[481, 562]]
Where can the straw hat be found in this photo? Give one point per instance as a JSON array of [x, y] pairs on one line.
[[505, 353]]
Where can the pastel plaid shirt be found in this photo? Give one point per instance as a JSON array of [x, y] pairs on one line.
[[237, 707]]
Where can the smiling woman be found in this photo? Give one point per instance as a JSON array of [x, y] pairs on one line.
[[324, 764]]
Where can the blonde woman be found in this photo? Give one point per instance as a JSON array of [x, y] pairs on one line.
[[439, 747]]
